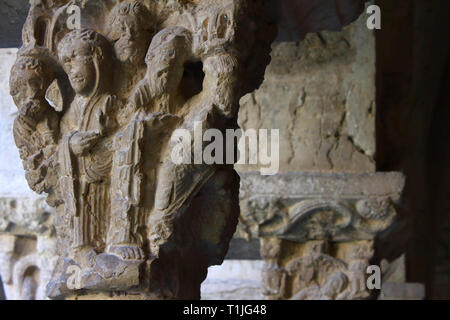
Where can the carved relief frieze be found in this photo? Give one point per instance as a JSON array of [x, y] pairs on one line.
[[338, 207], [318, 231], [316, 270]]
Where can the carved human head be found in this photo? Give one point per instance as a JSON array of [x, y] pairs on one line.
[[129, 26], [29, 81], [84, 55], [221, 70], [169, 50]]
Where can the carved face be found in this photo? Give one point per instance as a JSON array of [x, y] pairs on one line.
[[220, 67], [131, 41], [28, 84], [28, 88], [78, 63]]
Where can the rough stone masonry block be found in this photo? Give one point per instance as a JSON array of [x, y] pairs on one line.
[[320, 94]]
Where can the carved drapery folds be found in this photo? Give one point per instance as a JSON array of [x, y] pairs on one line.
[[98, 104], [318, 230]]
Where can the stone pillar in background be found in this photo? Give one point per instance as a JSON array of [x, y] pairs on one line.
[[100, 96], [319, 218]]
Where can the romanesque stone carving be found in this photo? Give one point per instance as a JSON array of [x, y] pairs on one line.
[[318, 230], [98, 104], [316, 270], [302, 206]]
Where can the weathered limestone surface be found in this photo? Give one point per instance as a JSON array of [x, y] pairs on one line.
[[316, 270], [318, 230], [98, 108], [326, 86], [310, 206], [320, 217], [26, 216], [287, 58], [320, 94], [11, 170]]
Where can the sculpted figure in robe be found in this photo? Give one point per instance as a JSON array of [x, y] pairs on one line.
[[87, 129], [36, 127], [60, 159]]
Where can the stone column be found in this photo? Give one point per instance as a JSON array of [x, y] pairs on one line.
[[102, 89], [318, 219]]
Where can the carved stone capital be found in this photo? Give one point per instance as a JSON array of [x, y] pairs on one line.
[[318, 230], [306, 206], [101, 89]]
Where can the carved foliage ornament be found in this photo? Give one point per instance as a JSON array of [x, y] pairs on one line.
[[318, 219]]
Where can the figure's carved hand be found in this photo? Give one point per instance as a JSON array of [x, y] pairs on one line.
[[82, 142]]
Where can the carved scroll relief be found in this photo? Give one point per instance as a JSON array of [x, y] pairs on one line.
[[318, 230]]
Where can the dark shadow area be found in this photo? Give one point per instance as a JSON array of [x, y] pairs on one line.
[[192, 81], [241, 249], [413, 134], [2, 290]]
